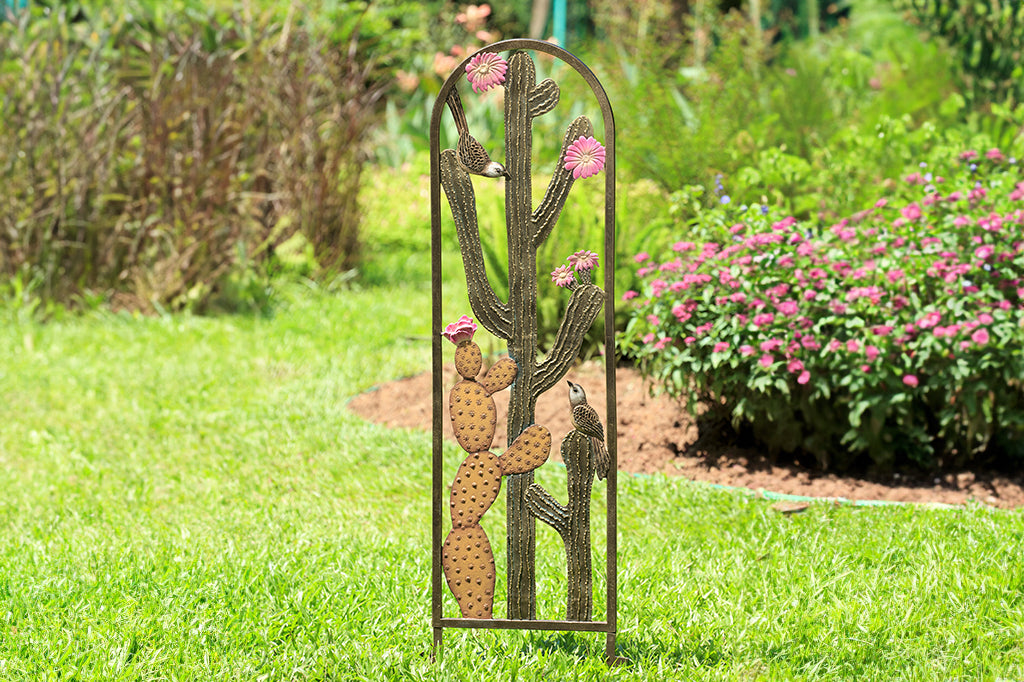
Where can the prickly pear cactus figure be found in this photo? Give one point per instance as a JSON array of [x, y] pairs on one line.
[[467, 559]]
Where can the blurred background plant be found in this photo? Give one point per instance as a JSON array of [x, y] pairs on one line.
[[160, 158], [987, 39], [179, 155]]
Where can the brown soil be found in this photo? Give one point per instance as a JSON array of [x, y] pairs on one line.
[[658, 435]]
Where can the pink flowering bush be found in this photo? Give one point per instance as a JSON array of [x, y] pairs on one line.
[[888, 339]]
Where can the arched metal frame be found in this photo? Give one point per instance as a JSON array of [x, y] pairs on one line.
[[607, 626]]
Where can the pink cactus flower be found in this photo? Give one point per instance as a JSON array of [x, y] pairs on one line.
[[911, 212], [485, 70], [562, 276], [583, 260], [461, 330], [584, 157]]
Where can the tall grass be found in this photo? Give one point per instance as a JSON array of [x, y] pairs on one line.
[[158, 158]]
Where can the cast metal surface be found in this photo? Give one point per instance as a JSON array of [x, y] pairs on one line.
[[514, 321]]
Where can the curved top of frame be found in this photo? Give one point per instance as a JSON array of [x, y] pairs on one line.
[[525, 44]]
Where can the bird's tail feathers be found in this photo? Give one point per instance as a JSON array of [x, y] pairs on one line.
[[601, 462], [458, 113]]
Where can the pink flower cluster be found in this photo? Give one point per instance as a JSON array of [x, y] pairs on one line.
[[582, 262], [907, 280]]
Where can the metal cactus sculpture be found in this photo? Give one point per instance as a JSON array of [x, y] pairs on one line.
[[465, 557], [515, 321], [468, 559]]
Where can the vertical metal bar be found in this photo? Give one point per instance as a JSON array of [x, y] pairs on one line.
[[611, 419], [437, 459], [438, 647]]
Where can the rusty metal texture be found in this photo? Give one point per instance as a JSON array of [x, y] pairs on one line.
[[474, 417], [475, 488], [469, 568], [514, 321]]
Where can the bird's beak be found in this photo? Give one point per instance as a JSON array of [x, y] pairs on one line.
[[570, 383]]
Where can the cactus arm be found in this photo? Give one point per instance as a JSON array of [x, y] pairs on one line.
[[584, 305], [494, 315], [572, 522], [545, 507], [543, 97], [546, 215]]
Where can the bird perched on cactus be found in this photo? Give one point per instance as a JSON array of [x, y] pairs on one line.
[[586, 420], [470, 154]]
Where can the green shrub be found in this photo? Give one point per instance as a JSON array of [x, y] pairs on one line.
[[890, 339], [686, 125], [154, 156], [988, 38]]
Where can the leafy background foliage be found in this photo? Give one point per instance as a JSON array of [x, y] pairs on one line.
[[183, 156]]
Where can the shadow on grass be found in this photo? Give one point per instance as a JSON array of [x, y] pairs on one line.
[[635, 650], [641, 647]]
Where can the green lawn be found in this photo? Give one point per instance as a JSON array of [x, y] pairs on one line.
[[188, 498]]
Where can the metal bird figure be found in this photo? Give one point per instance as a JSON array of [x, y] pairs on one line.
[[470, 154], [587, 422]]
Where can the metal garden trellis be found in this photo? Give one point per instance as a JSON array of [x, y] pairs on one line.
[[515, 321]]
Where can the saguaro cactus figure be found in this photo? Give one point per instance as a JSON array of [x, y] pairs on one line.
[[572, 522], [515, 320]]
